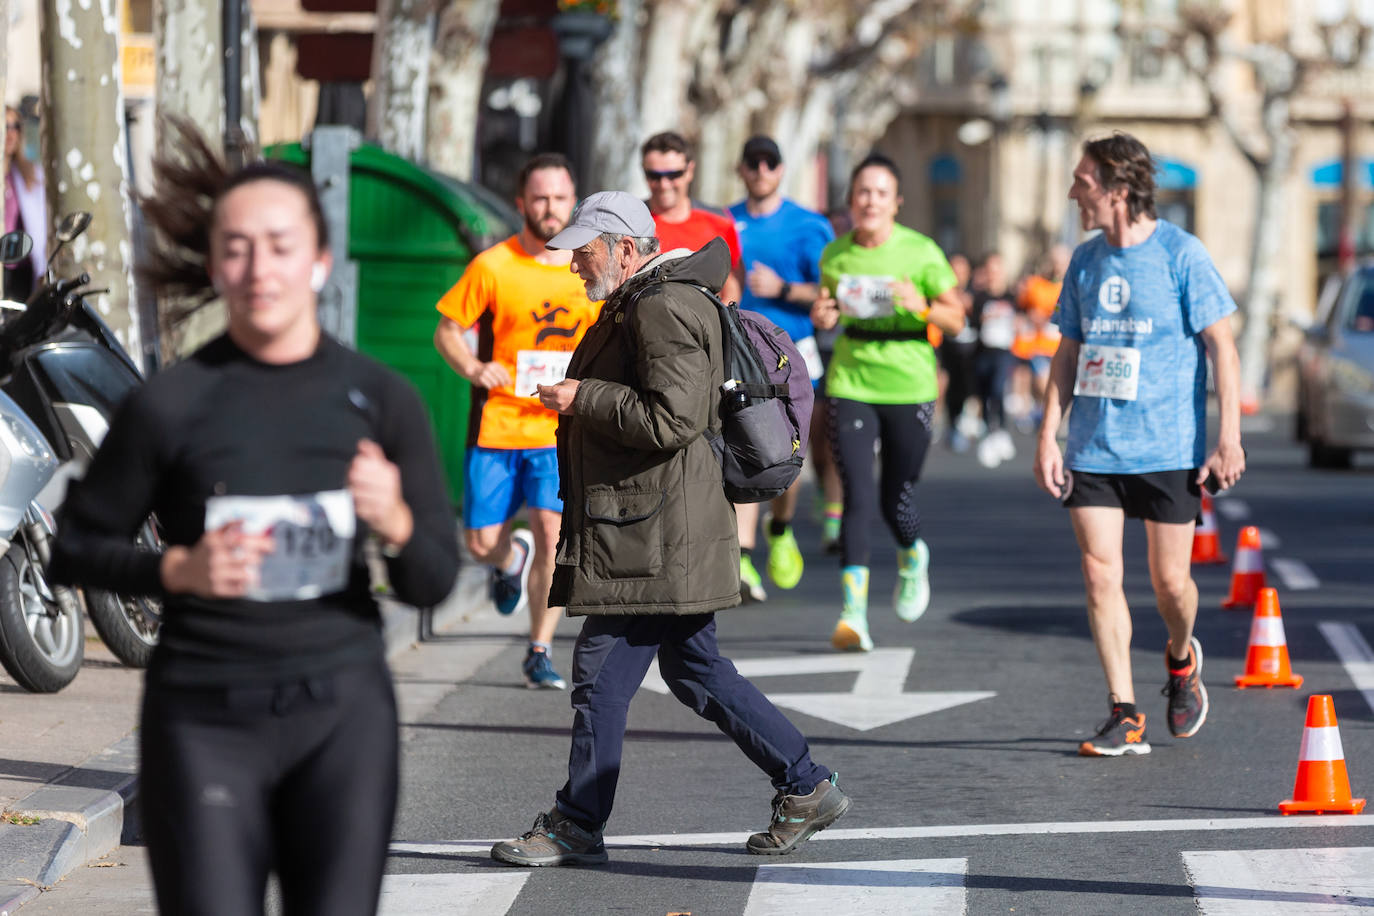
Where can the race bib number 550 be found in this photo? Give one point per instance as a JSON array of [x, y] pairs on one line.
[[1108, 372], [312, 535]]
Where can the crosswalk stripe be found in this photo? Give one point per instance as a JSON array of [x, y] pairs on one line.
[[1355, 654], [464, 894], [1296, 575], [1181, 825], [1282, 882], [896, 887]]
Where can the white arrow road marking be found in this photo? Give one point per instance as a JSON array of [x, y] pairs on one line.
[[466, 894], [1233, 510], [1182, 825], [876, 699], [1355, 655], [886, 888], [1282, 882], [1296, 575]]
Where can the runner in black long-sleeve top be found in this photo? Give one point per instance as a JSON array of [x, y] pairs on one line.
[[269, 734]]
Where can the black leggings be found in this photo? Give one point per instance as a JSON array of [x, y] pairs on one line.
[[957, 358], [299, 778], [993, 368], [904, 430]]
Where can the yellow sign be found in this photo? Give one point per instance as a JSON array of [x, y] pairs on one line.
[[137, 63]]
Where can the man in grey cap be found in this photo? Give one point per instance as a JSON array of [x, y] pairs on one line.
[[647, 551]]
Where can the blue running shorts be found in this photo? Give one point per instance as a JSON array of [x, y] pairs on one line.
[[500, 480]]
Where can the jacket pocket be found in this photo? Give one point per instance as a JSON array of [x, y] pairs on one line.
[[626, 532]]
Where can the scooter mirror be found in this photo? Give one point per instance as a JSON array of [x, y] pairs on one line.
[[15, 247], [72, 225]]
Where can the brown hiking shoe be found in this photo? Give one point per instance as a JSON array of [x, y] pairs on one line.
[[797, 817], [553, 840]]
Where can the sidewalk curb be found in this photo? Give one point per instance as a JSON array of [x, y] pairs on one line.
[[81, 814]]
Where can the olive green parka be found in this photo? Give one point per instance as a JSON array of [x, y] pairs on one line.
[[646, 525]]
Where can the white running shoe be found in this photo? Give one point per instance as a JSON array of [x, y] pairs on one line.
[[989, 452]]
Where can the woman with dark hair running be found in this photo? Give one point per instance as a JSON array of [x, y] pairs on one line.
[[268, 731], [889, 282]]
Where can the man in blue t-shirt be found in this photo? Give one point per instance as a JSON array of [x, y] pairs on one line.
[[1140, 304], [780, 246]]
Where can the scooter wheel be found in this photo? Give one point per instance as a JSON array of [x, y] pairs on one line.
[[41, 638]]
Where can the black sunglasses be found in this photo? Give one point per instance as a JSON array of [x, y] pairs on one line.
[[671, 175], [753, 162]]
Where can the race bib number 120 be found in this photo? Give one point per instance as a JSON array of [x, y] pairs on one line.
[[1108, 372], [312, 535]]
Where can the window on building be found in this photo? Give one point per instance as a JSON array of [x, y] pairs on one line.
[[945, 180]]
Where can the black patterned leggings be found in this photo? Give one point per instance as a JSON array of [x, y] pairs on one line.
[[904, 431]]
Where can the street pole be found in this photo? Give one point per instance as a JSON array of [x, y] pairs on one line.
[[84, 152], [1350, 215]]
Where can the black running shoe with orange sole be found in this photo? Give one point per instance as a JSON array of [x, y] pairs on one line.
[[1119, 736]]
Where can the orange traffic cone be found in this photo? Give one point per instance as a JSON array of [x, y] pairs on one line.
[[1266, 662], [1322, 786], [1206, 538], [1247, 573]]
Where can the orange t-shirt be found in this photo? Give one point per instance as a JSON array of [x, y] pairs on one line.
[[696, 230], [1038, 337], [530, 317], [1040, 295]]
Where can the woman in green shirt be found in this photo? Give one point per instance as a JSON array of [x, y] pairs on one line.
[[883, 284]]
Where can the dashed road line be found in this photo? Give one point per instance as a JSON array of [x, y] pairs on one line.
[[1296, 575], [1269, 540], [1355, 654]]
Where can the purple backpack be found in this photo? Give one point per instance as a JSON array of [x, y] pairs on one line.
[[765, 406]]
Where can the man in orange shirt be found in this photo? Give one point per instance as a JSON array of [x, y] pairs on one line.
[[681, 222], [529, 313]]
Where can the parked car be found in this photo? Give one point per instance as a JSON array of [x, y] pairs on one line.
[[1336, 374]]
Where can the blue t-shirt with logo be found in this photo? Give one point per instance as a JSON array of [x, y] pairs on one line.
[[1140, 397], [790, 241]]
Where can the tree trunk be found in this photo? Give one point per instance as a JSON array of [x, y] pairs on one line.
[[400, 76], [85, 154], [1262, 290], [190, 83], [667, 67], [190, 71], [617, 130], [455, 84]]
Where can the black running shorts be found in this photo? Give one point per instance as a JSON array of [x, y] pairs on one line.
[[1171, 497]]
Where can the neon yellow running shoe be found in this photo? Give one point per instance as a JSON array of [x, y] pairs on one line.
[[784, 559], [750, 582], [912, 596], [851, 632]]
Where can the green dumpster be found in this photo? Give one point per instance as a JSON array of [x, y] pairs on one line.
[[412, 232]]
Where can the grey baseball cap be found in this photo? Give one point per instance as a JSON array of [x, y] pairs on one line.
[[605, 211]]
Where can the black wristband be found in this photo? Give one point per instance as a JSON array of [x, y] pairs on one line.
[[785, 291]]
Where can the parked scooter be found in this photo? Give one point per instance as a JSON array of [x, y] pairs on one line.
[[63, 365], [41, 638]]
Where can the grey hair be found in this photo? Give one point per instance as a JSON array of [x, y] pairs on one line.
[[645, 246]]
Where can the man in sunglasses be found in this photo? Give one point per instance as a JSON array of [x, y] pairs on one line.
[[682, 222], [781, 244]]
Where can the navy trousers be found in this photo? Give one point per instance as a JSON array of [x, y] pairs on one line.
[[610, 660]]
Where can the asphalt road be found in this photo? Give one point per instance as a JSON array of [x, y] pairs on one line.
[[958, 749]]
